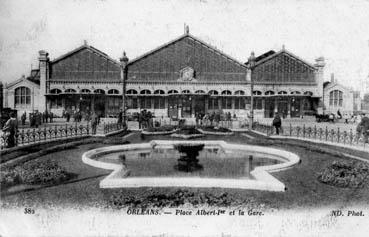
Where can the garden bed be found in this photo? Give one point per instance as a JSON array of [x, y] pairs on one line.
[[187, 132], [211, 130], [163, 130], [34, 173], [345, 174]]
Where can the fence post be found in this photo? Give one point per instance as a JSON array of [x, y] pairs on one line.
[[338, 135], [290, 130], [326, 133]]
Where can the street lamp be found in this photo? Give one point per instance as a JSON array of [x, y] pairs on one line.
[[251, 67], [123, 76]]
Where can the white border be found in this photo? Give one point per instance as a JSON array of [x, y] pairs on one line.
[[263, 180]]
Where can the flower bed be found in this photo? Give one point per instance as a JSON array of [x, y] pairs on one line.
[[211, 130], [345, 174], [175, 198], [34, 172], [187, 132], [165, 129]]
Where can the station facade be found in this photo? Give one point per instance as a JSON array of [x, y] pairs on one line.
[[179, 79]]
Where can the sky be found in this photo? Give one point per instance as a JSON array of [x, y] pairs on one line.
[[335, 29]]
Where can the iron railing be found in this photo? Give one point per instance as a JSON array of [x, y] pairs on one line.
[[345, 137], [34, 135], [112, 127]]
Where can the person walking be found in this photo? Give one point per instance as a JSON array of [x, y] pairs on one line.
[[120, 117], [37, 119], [23, 118], [93, 122], [277, 123], [10, 129]]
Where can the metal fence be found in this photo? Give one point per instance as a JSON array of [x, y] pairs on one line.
[[322, 134], [112, 127], [35, 135]]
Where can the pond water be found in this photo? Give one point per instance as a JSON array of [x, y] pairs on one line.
[[215, 163]]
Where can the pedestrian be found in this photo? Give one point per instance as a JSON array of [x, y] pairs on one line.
[[120, 117], [51, 116], [67, 116], [277, 123], [38, 118], [93, 122], [23, 118], [10, 129], [339, 115], [363, 128]]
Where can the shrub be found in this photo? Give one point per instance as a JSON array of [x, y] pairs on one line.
[[188, 130], [9, 178], [42, 172], [164, 128], [34, 172], [214, 129], [172, 199], [344, 174]]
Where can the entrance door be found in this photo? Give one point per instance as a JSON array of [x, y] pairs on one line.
[[283, 108], [100, 106], [186, 107], [199, 105], [269, 108], [173, 107], [295, 107]]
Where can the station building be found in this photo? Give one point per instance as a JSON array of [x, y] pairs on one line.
[[338, 97], [178, 79]]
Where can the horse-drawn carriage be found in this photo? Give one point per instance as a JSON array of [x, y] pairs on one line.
[[325, 118]]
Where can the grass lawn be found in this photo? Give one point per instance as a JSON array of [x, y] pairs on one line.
[[304, 190]]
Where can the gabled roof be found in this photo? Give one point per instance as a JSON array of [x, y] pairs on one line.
[[21, 80], [328, 85], [282, 51], [187, 35], [88, 47]]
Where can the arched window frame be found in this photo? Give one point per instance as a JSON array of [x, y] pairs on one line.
[[113, 92], [22, 96]]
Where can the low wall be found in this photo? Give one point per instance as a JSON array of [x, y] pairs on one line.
[[263, 180]]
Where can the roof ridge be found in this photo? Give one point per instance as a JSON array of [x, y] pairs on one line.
[[192, 37], [287, 52], [84, 46]]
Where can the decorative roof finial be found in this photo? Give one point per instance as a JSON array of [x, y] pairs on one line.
[[85, 42], [187, 29], [124, 58], [283, 47]]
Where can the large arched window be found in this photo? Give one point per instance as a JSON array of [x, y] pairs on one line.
[[55, 91], [131, 92], [256, 93], [22, 96], [336, 98], [113, 92], [226, 92], [269, 93], [213, 92], [99, 91]]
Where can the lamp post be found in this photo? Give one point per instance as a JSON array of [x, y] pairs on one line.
[[123, 77], [251, 67]]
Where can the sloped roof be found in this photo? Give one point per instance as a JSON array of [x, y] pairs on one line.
[[187, 35], [82, 47], [271, 54], [21, 80]]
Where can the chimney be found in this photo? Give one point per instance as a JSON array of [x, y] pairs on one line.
[[44, 76], [332, 78]]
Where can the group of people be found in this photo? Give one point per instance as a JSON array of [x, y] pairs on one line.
[[77, 115], [145, 119], [213, 118], [37, 118]]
